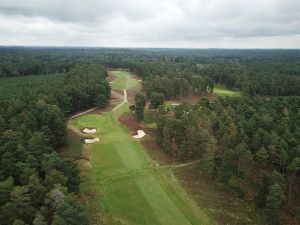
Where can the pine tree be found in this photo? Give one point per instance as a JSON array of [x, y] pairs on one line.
[[275, 200]]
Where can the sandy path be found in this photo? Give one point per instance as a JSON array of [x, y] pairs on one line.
[[79, 114], [116, 93], [124, 101]]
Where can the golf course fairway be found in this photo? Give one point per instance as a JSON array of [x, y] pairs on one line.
[[133, 190]]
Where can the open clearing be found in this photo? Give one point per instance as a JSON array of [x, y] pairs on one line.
[[125, 186], [225, 92], [122, 81]]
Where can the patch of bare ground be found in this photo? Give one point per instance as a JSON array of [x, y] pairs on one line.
[[156, 153], [131, 122], [119, 92], [131, 95], [116, 95], [111, 77], [194, 99], [224, 207]]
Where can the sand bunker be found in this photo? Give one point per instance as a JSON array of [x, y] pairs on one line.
[[89, 131], [89, 141], [175, 104], [111, 82], [140, 80], [140, 134]]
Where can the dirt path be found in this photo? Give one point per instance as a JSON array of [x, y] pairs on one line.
[[124, 100], [82, 113]]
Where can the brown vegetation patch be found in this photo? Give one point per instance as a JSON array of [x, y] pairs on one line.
[[72, 151], [85, 155], [116, 95], [131, 122], [111, 77], [194, 99], [131, 95], [119, 92], [156, 153], [221, 205], [150, 131]]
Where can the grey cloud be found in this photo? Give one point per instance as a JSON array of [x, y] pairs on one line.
[[151, 23]]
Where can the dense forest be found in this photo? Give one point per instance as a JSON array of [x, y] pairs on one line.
[[36, 185], [249, 145], [255, 72]]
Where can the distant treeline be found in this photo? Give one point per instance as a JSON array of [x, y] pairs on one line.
[[36, 185], [271, 76], [255, 72]]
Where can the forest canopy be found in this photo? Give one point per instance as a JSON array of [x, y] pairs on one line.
[[37, 186]]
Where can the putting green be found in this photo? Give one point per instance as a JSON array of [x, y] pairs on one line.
[[133, 191]]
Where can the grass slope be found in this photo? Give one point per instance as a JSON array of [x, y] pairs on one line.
[[123, 81], [133, 190], [225, 92]]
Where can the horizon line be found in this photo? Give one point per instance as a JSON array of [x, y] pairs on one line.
[[168, 48]]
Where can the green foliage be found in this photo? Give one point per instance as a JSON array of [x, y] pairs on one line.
[[55, 177], [33, 127], [238, 141], [18, 222], [156, 100], [6, 187], [274, 202], [140, 102], [262, 157], [67, 213]]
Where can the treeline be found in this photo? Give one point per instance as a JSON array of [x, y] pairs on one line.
[[36, 185], [24, 61], [178, 86], [16, 62], [251, 146], [255, 72]]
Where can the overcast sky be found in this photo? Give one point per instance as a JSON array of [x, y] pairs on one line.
[[151, 23]]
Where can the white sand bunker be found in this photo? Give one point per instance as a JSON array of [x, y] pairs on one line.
[[111, 82], [89, 141], [139, 80], [140, 134], [175, 104], [89, 131]]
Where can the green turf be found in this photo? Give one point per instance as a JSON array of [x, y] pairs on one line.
[[132, 190], [124, 81], [221, 91]]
